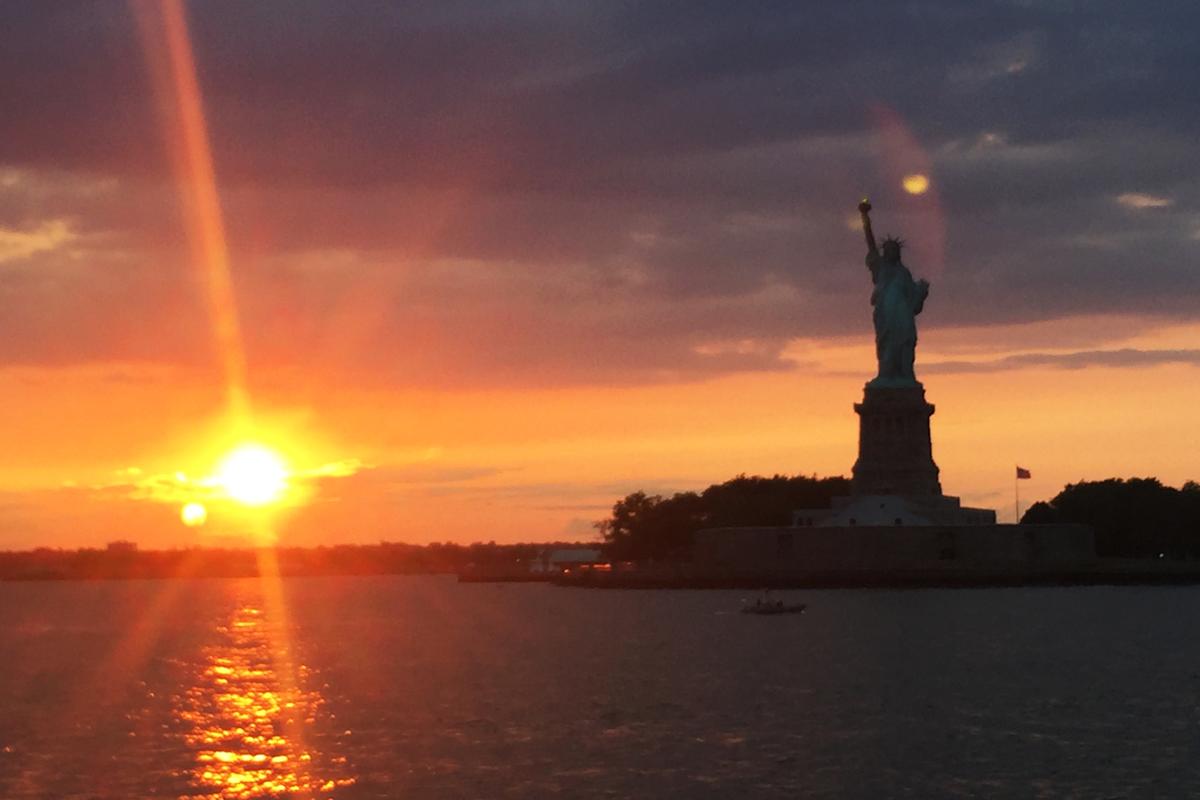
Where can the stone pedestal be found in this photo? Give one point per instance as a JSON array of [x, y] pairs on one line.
[[894, 452]]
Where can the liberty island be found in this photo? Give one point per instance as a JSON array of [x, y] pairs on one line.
[[896, 525]]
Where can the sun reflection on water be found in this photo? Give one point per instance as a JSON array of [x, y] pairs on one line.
[[246, 715]]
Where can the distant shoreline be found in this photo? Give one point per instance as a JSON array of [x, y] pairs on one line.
[[125, 561], [1108, 572]]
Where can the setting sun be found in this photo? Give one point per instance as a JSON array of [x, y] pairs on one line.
[[253, 474]]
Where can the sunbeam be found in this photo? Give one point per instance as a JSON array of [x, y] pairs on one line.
[[165, 40]]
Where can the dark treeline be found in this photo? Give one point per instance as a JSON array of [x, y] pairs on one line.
[[1134, 518], [124, 560], [654, 527]]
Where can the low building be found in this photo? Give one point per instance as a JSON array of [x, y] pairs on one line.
[[890, 509], [563, 559]]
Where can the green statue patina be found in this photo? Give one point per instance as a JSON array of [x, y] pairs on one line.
[[897, 299]]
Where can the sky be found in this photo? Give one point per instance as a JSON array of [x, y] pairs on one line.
[[476, 270]]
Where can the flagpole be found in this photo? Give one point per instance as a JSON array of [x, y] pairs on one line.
[[1017, 498]]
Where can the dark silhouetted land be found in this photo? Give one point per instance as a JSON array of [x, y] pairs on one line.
[[122, 560]]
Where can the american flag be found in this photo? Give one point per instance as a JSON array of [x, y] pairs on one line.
[[1023, 474]]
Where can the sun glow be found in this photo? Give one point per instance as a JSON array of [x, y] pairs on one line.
[[193, 514], [253, 474]]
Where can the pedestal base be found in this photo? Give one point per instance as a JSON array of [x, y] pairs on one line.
[[895, 456]]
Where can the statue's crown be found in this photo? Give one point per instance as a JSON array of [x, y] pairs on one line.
[[896, 240]]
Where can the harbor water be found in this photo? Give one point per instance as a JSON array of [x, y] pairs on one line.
[[419, 687]]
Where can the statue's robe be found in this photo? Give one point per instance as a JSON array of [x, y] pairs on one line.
[[897, 299]]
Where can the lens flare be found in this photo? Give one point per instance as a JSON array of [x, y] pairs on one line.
[[916, 183], [193, 514]]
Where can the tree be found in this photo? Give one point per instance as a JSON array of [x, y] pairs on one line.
[[653, 527], [644, 526], [1133, 518]]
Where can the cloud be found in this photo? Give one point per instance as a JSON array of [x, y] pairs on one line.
[[598, 508], [1000, 59], [1125, 357], [463, 194], [17, 245], [1138, 200], [581, 529]]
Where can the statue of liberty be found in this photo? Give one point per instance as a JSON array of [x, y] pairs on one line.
[[897, 299]]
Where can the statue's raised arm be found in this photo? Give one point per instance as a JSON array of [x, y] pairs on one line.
[[864, 208]]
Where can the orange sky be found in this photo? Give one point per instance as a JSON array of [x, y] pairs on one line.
[[511, 465], [455, 324]]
